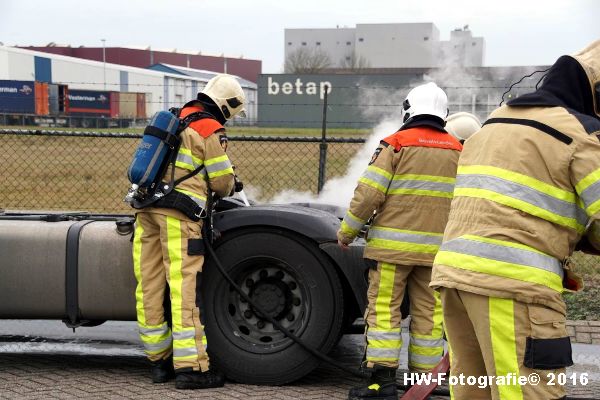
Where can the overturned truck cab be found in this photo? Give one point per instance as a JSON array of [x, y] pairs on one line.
[[77, 267]]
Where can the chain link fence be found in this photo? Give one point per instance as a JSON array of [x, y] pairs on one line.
[[87, 171]]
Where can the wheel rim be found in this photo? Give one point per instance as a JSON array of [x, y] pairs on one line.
[[276, 287]]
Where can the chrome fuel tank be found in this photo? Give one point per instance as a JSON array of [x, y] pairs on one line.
[[69, 269]]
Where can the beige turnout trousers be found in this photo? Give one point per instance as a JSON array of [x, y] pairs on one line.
[[160, 257], [387, 285], [487, 337]]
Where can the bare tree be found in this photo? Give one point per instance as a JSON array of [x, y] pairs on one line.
[[305, 60], [355, 62]]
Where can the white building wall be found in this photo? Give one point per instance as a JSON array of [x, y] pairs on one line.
[[402, 45], [18, 64], [397, 45], [338, 42]]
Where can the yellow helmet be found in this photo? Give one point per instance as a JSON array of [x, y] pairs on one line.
[[225, 91], [462, 125]]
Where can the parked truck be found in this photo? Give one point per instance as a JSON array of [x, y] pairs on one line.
[[46, 104], [78, 268]]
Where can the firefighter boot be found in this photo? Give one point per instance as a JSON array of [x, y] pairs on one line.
[[162, 371], [199, 380], [381, 386]]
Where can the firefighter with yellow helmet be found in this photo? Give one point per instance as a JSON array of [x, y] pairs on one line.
[[410, 196], [527, 191], [168, 250]]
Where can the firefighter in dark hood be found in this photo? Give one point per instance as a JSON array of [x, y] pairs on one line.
[[527, 192]]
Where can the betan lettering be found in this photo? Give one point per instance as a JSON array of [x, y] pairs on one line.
[[298, 87]]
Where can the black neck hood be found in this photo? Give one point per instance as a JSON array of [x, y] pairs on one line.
[[429, 121], [565, 85]]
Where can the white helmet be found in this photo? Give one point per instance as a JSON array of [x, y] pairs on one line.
[[462, 125], [427, 99], [225, 91]]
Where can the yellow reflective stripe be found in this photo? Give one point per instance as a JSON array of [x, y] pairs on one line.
[[137, 270], [385, 228], [373, 184], [216, 174], [421, 192], [516, 177], [499, 268], [204, 340], [426, 351], [438, 317], [380, 171], [403, 246], [351, 224], [504, 346], [385, 344], [520, 205], [188, 153], [384, 296], [588, 181], [374, 386], [184, 343], [593, 208], [431, 178], [175, 276], [215, 160]]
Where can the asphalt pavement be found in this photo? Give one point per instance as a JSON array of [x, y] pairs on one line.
[[46, 360]]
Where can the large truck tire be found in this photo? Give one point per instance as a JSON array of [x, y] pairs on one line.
[[289, 277]]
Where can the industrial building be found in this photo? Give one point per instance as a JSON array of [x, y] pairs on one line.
[[362, 100], [400, 45], [163, 86], [142, 58]]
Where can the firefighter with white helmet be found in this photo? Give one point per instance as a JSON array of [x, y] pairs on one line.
[[168, 249], [410, 196], [462, 125], [527, 192]]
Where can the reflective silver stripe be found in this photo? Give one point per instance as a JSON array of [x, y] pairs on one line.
[[188, 351], [383, 353], [188, 160], [591, 194], [353, 223], [424, 360], [399, 236], [421, 185], [153, 161], [376, 177], [161, 330], [216, 167], [165, 344], [184, 335], [377, 335], [523, 193], [426, 342], [506, 254]]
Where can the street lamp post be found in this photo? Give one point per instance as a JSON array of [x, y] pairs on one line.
[[104, 60]]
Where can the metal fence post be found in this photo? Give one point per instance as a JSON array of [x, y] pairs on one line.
[[323, 145]]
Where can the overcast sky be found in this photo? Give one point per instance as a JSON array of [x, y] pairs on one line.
[[517, 32]]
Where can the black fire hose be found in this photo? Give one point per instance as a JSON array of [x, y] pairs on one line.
[[314, 352], [272, 320]]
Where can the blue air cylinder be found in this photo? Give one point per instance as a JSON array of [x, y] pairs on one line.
[[153, 150]]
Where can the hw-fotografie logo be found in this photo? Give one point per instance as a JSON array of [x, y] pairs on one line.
[[298, 87]]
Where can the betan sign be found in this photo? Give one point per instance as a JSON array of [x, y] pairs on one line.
[[298, 87], [298, 100]]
